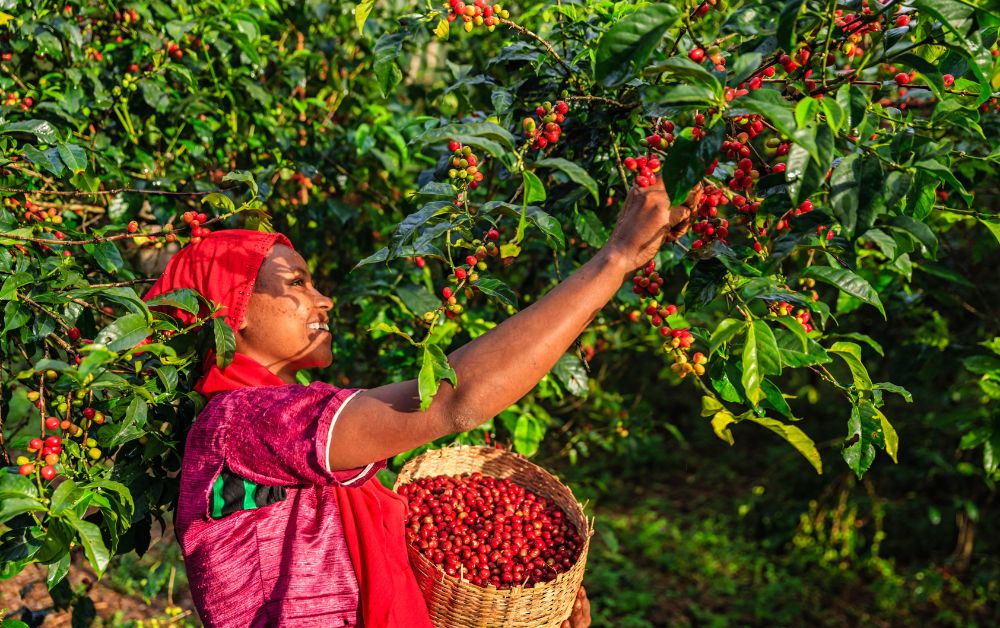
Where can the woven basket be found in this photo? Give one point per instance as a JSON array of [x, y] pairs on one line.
[[454, 602]]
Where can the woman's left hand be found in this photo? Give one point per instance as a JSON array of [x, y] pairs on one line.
[[581, 611]]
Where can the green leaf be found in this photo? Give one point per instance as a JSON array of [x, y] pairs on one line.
[[56, 573], [93, 545], [850, 353], [48, 160], [571, 372], [861, 435], [528, 434], [534, 191], [920, 232], [13, 504], [225, 342], [243, 176], [548, 225], [797, 329], [893, 388], [487, 136], [43, 131], [434, 367], [866, 339], [361, 12], [720, 425], [107, 256], [417, 299], [787, 23], [993, 226], [387, 51], [129, 429], [590, 228], [75, 157], [960, 19], [688, 72], [184, 299], [943, 173], [572, 170], [806, 172], [65, 497], [498, 290], [845, 185], [124, 333], [796, 437], [726, 331], [845, 280], [658, 97], [760, 358], [219, 201], [773, 106], [631, 40], [688, 160]]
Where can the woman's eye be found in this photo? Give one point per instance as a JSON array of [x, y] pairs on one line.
[[298, 282]]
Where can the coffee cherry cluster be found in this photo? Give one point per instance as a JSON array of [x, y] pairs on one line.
[[714, 55], [783, 308], [646, 281], [708, 224], [683, 365], [48, 452], [194, 220], [463, 167], [647, 167], [544, 127], [478, 13], [14, 99], [656, 143], [34, 212], [489, 531], [465, 275]]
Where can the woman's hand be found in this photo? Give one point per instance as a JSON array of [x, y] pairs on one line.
[[647, 221], [580, 618]]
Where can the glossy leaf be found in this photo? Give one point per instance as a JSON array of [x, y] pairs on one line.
[[849, 282], [631, 40], [434, 367]]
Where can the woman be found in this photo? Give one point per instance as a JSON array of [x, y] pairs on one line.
[[279, 519]]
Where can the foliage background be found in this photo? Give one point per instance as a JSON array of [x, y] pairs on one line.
[[325, 124]]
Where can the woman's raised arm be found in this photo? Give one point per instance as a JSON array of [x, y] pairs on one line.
[[501, 366]]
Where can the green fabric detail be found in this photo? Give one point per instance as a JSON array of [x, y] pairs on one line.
[[217, 501], [249, 491]]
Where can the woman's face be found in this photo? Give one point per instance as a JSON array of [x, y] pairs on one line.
[[285, 326]]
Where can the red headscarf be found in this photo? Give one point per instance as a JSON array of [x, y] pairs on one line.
[[223, 268]]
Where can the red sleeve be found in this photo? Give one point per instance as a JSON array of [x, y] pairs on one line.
[[279, 436]]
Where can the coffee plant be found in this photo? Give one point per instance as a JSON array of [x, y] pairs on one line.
[[441, 165]]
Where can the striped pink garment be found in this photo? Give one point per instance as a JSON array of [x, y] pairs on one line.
[[258, 520]]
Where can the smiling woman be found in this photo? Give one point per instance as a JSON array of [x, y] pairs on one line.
[[278, 518], [286, 327]]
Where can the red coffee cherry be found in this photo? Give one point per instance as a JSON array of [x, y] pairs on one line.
[[48, 472], [52, 423], [35, 444], [26, 469], [902, 78], [53, 441], [903, 20], [73, 333], [696, 55]]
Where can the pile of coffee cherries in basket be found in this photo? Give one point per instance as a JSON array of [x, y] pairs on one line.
[[489, 530]]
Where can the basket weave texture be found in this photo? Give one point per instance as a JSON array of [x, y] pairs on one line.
[[457, 603]]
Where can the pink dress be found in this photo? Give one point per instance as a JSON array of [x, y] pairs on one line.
[[257, 520]]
